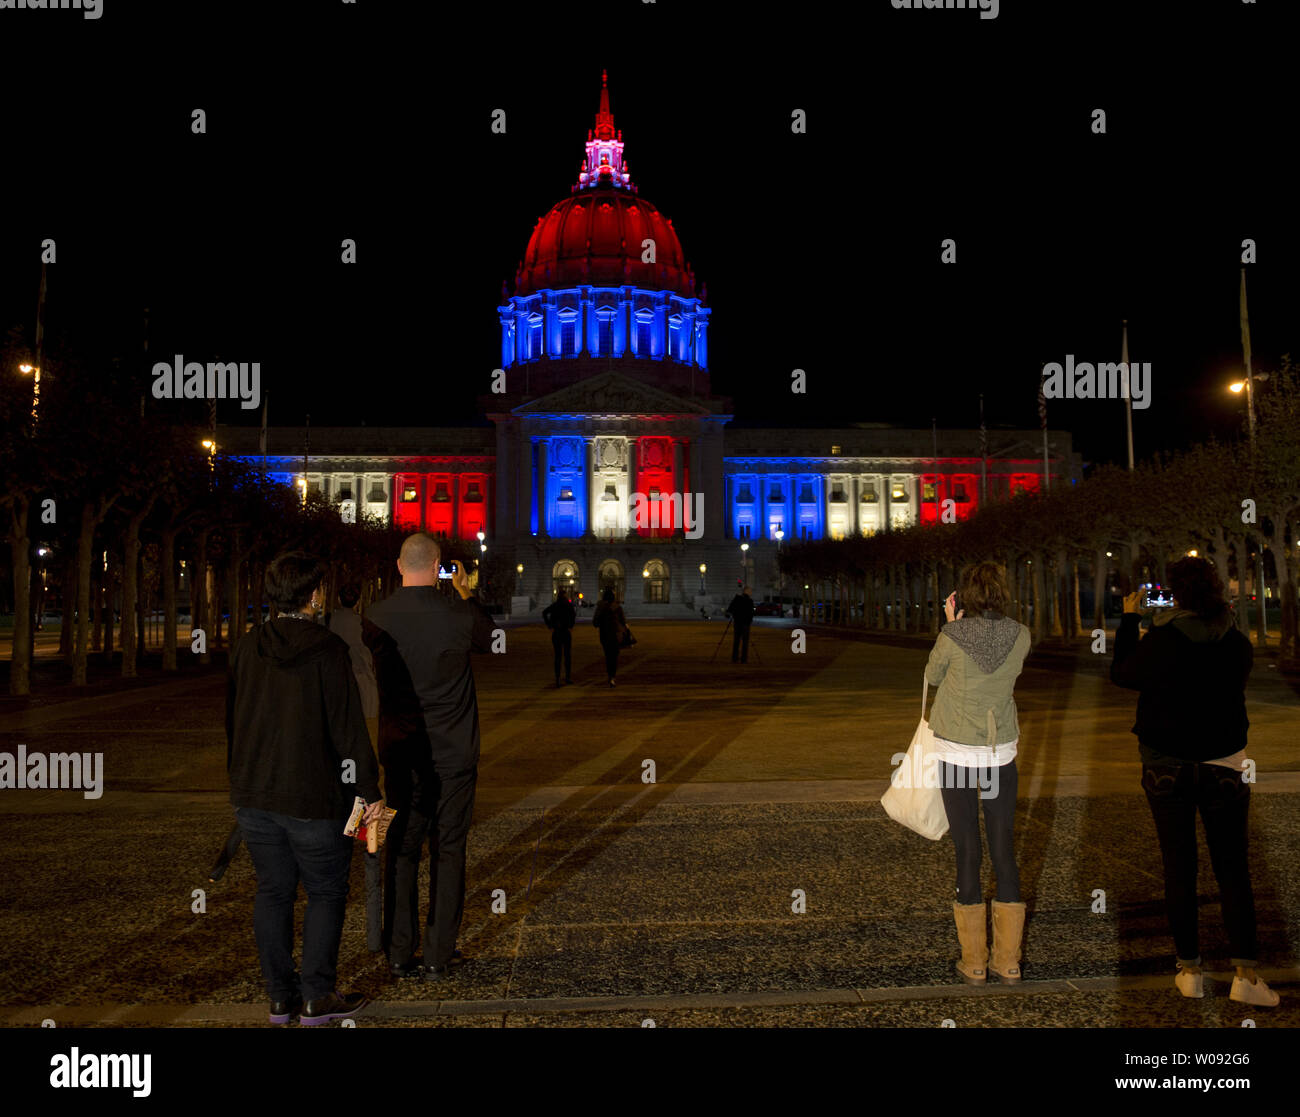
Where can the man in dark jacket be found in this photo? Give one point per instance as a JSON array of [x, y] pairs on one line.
[[560, 618], [421, 639], [741, 612], [298, 754]]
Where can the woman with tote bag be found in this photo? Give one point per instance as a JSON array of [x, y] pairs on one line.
[[975, 662]]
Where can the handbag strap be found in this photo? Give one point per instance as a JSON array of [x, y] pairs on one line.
[[925, 692]]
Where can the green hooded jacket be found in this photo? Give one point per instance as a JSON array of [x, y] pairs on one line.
[[975, 663]]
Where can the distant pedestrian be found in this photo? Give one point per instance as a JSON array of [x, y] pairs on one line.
[[421, 639], [298, 754], [974, 663], [560, 618], [611, 622], [1191, 670], [741, 612]]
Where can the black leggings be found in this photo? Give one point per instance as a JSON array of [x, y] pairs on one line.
[[611, 659], [962, 803]]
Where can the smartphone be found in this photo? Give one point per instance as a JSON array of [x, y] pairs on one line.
[[446, 569], [1155, 596]]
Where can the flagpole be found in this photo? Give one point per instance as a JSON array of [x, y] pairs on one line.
[[1261, 615], [984, 456], [1128, 396], [1042, 415]]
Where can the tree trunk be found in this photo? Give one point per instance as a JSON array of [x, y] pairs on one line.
[[167, 582], [20, 670], [131, 639], [110, 571], [85, 548], [199, 603], [1057, 602], [96, 605], [1261, 596], [1100, 587], [1243, 599], [1038, 580], [1076, 612], [1286, 592], [68, 596]]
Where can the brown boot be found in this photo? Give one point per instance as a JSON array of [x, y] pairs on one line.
[[972, 933], [1008, 929]]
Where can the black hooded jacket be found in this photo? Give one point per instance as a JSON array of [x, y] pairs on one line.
[[293, 717], [1192, 678]]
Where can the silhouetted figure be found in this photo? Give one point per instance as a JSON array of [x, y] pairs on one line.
[[1191, 670], [297, 754], [741, 612], [611, 622], [560, 617], [421, 639]]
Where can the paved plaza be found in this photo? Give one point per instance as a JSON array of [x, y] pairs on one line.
[[628, 901]]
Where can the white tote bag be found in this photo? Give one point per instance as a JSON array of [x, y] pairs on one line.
[[914, 798]]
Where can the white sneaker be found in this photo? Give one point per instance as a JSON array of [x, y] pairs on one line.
[[1190, 984], [1257, 994]]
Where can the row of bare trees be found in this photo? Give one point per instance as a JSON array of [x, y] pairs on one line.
[[1227, 502], [114, 502]]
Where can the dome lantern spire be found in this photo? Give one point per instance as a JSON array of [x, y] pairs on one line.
[[604, 165]]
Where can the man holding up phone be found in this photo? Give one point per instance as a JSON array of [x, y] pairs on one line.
[[421, 639]]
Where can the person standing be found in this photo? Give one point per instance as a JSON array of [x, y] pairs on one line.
[[421, 640], [975, 662], [560, 618], [608, 618], [1190, 671], [741, 612], [298, 754]]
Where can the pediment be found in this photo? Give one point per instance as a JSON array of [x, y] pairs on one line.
[[611, 393]]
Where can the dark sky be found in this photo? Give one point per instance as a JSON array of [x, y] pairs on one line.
[[820, 251]]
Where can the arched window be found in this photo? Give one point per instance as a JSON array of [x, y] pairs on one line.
[[654, 576], [611, 577], [564, 575]]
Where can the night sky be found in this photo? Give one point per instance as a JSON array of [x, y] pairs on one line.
[[820, 251]]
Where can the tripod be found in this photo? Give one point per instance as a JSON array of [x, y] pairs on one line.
[[752, 647]]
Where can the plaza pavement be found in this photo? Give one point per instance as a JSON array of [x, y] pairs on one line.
[[672, 901]]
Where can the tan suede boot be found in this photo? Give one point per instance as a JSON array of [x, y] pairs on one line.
[[1008, 929], [972, 933]]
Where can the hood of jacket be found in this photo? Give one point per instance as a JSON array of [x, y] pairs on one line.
[[1193, 626], [988, 640], [291, 642]]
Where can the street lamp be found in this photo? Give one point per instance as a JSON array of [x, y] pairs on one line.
[[703, 569], [35, 372]]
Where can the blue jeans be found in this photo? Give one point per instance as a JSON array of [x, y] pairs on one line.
[[285, 850], [1176, 793]]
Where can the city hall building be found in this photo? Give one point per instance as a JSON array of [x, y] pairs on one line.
[[609, 462]]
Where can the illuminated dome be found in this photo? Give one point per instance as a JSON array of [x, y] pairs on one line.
[[604, 275], [595, 237]]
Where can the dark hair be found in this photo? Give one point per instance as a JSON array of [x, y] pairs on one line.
[[291, 578], [608, 595], [349, 595], [983, 587], [1196, 586]]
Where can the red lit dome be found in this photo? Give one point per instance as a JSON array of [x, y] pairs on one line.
[[595, 237]]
